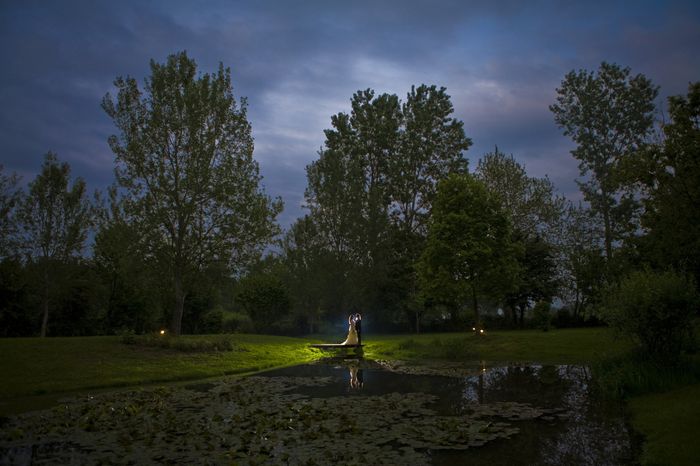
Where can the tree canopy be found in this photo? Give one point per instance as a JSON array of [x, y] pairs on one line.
[[184, 157], [468, 250], [609, 114]]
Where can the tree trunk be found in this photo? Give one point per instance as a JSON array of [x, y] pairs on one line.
[[176, 326], [514, 316], [45, 304], [522, 315], [607, 226], [417, 322], [475, 303]]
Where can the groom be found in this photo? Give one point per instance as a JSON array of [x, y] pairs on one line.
[[358, 327]]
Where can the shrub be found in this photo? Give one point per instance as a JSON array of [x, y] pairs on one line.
[[265, 299], [237, 322], [219, 343], [655, 309], [212, 321]]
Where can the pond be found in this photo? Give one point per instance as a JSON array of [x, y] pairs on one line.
[[342, 412]]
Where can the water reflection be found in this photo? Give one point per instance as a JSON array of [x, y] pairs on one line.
[[548, 413], [575, 428], [357, 378]]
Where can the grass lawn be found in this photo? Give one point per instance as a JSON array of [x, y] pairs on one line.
[[670, 423], [32, 366], [569, 346]]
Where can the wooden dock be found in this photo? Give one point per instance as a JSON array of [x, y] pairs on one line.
[[334, 346]]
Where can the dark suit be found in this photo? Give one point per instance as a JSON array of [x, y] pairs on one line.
[[358, 328]]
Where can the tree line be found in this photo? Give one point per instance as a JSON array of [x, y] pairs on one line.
[[398, 225]]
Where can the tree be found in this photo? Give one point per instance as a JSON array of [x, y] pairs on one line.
[[55, 219], [265, 299], [468, 250], [9, 196], [371, 190], [431, 148], [534, 210], [583, 260], [185, 161], [531, 203], [537, 281], [131, 294], [655, 309], [670, 172], [309, 272], [609, 115]]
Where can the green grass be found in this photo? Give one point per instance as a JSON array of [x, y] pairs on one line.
[[569, 346], [32, 366], [670, 423]]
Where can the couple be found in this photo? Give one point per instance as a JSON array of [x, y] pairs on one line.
[[355, 330]]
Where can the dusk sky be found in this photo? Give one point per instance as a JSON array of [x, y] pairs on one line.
[[298, 63]]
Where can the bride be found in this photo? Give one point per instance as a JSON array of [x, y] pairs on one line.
[[352, 332]]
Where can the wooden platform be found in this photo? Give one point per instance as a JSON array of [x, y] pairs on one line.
[[334, 346]]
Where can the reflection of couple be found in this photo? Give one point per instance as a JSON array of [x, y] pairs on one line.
[[356, 378], [354, 330]]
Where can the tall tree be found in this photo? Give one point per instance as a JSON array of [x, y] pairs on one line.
[[372, 187], [184, 158], [55, 219], [431, 148], [609, 115], [310, 272], [535, 211], [670, 171], [468, 252], [9, 196], [583, 259], [531, 203]]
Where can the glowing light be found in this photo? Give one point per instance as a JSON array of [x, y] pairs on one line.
[[473, 329], [162, 332], [481, 331]]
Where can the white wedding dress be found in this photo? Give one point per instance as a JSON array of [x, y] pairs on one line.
[[352, 336]]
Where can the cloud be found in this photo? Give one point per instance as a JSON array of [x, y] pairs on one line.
[[298, 63]]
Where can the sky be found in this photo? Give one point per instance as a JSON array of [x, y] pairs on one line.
[[299, 62]]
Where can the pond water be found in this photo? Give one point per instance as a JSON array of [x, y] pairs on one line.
[[341, 412]]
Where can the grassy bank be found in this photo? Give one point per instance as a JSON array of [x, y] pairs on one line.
[[32, 366], [569, 346], [670, 423]]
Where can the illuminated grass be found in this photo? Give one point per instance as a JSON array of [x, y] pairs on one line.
[[33, 366]]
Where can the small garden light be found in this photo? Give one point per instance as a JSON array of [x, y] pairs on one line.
[[162, 332]]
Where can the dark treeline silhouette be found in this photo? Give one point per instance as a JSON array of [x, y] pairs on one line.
[[398, 225]]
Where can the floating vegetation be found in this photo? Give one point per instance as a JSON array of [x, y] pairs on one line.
[[251, 420], [298, 416]]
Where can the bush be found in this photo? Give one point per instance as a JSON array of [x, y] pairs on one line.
[[656, 310], [265, 299], [220, 343], [542, 316], [212, 321], [237, 322]]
